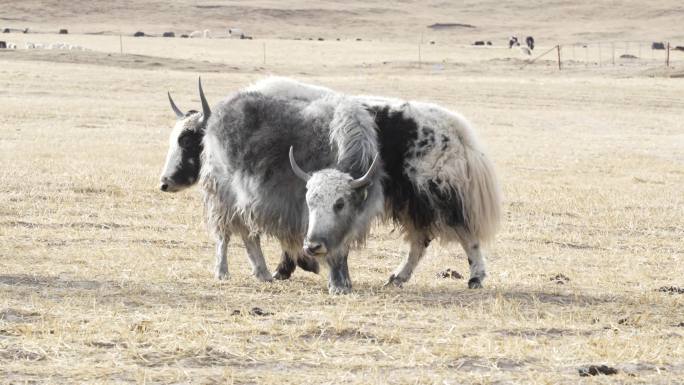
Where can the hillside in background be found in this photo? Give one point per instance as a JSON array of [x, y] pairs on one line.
[[557, 21]]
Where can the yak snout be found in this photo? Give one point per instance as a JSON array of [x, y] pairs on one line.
[[168, 185], [164, 184], [314, 247]]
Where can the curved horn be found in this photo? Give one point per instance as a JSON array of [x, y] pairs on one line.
[[367, 178], [298, 171], [179, 113], [206, 111]]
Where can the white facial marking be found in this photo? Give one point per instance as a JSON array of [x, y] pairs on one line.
[[174, 155], [322, 191]]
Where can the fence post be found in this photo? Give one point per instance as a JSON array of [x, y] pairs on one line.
[[600, 60], [120, 44], [559, 57], [612, 46], [667, 62], [264, 47], [420, 59]]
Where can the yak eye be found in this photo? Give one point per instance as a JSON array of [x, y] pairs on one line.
[[339, 205], [185, 141]]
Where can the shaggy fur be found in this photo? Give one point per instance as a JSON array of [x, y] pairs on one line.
[[434, 180], [246, 175]]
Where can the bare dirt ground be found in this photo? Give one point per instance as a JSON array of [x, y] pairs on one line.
[[104, 279]]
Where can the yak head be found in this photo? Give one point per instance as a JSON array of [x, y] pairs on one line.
[[183, 161], [337, 205]]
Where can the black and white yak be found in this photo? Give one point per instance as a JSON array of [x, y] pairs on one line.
[[436, 184], [415, 162]]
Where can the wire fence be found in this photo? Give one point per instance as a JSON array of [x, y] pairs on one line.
[[615, 53]]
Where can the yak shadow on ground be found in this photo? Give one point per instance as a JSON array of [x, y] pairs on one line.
[[420, 296]]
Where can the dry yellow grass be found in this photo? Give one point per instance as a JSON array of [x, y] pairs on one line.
[[104, 279]]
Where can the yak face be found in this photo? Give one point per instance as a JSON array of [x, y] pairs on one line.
[[333, 207], [337, 204], [183, 163]]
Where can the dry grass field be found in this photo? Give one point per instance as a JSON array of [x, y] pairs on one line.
[[104, 279]]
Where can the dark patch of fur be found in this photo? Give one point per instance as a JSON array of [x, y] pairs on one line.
[[399, 141], [308, 264], [397, 136], [286, 267], [190, 142], [339, 272]]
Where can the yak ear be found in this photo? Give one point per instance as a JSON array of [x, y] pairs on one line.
[[364, 194]]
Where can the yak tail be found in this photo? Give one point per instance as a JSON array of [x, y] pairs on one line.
[[482, 203]]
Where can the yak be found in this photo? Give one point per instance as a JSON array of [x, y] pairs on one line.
[[415, 163]]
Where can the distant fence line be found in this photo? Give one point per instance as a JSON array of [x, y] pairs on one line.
[[611, 53], [589, 54]]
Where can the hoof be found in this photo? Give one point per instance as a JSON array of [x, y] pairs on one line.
[[281, 276], [222, 275], [263, 276], [395, 280], [335, 290], [474, 283]]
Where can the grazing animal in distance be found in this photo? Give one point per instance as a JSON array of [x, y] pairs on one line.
[[437, 183], [236, 33], [530, 42], [513, 42]]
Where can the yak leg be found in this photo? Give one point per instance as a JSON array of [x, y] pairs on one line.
[[285, 268], [288, 265], [476, 261], [402, 274], [256, 257], [307, 263], [339, 281], [221, 270]]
